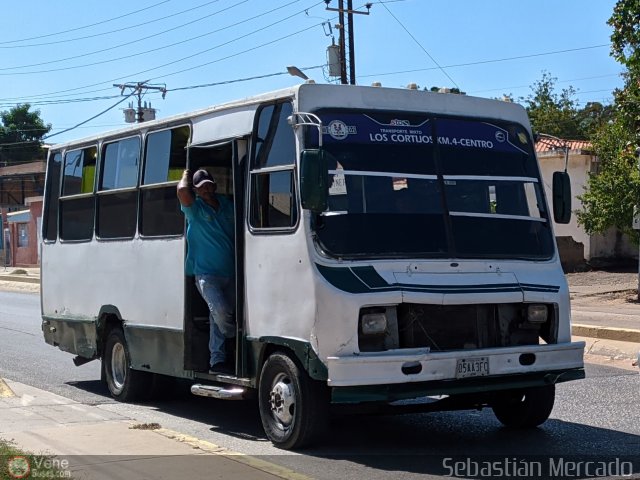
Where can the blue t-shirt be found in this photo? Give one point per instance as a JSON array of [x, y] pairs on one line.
[[210, 238]]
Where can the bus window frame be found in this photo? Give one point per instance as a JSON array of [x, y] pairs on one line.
[[104, 143], [47, 197], [289, 167], [63, 198], [152, 186]]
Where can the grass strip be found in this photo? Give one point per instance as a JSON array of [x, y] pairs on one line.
[[15, 463]]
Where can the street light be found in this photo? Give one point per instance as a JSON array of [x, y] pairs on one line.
[[296, 72]]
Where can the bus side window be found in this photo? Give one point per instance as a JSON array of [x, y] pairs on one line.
[[77, 205], [273, 199], [165, 158], [52, 195], [117, 190]]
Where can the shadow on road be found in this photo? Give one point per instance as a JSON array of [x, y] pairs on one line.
[[418, 444]]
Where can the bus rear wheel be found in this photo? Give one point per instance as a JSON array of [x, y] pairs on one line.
[[293, 407], [125, 384], [525, 408]]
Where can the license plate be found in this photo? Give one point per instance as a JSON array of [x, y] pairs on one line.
[[472, 367]]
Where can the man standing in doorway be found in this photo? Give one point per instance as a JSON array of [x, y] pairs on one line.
[[210, 257]]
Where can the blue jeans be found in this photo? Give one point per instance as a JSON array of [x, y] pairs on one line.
[[219, 293]]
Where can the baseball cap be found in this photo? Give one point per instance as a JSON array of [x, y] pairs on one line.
[[201, 177]]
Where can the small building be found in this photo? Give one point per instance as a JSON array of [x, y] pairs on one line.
[[21, 189], [575, 245], [21, 235]]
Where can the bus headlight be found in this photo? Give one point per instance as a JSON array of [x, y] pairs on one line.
[[373, 323], [537, 313]]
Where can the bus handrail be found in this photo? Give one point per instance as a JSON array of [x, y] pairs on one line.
[[304, 118]]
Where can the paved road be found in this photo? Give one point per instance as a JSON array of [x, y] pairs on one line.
[[596, 415]]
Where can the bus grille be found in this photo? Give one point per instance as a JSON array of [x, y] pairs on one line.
[[462, 327]]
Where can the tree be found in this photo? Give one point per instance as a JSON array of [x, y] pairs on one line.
[[553, 113], [558, 114], [611, 194], [21, 135], [625, 48]]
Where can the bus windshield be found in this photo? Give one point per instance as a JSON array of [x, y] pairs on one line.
[[409, 185]]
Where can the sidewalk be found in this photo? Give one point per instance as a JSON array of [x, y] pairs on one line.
[[93, 443], [20, 279], [19, 274], [605, 313]]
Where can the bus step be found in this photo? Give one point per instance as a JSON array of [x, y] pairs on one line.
[[215, 391]]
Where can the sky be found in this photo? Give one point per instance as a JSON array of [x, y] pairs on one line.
[[63, 57]]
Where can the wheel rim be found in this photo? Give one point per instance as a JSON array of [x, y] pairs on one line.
[[118, 367], [282, 400]]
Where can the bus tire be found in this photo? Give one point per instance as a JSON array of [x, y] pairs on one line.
[[293, 407], [125, 384], [525, 408]]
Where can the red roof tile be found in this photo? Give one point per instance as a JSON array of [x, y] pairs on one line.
[[550, 145]]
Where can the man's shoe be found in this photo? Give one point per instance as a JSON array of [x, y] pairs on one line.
[[220, 369]]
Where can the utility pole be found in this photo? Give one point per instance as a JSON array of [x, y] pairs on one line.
[[349, 38], [138, 89]]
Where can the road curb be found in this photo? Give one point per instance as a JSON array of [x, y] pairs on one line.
[[19, 278], [253, 462], [5, 391], [606, 333]]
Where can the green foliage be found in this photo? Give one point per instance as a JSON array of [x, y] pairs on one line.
[[611, 194], [558, 114], [40, 466], [625, 38], [593, 117], [625, 48], [451, 90], [21, 135]]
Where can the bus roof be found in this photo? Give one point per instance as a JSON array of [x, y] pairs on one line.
[[313, 96]]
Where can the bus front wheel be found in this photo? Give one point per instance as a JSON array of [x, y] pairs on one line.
[[125, 384], [293, 407], [525, 408]]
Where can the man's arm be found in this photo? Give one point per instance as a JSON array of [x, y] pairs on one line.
[[185, 192]]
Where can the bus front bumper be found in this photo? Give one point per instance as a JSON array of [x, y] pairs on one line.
[[420, 366]]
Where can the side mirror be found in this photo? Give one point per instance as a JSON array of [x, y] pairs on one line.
[[314, 180], [561, 197]]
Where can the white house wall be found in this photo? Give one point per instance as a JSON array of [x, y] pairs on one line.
[[595, 246]]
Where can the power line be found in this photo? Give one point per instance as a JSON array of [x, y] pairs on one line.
[[53, 96], [73, 67], [225, 82], [559, 81], [241, 37], [62, 102], [79, 28], [233, 54], [162, 47], [196, 54], [481, 62], [190, 87], [420, 45], [89, 119], [138, 25]]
